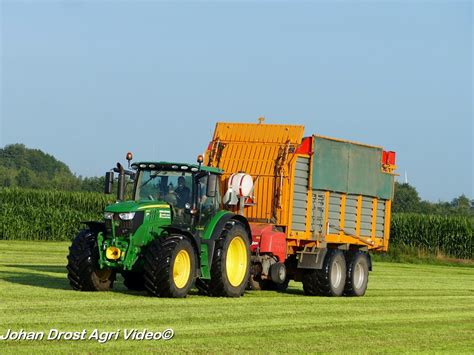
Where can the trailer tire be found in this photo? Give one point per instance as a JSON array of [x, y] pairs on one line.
[[310, 282], [170, 267], [357, 274], [330, 280], [84, 273], [133, 280], [231, 262]]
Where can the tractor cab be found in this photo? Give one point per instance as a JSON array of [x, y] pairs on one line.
[[191, 191]]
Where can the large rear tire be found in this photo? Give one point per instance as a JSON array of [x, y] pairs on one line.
[[170, 267], [84, 273], [231, 263], [357, 274], [330, 280]]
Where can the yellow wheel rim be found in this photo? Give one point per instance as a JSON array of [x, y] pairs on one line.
[[181, 269], [236, 261]]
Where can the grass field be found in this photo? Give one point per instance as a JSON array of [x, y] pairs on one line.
[[419, 308]]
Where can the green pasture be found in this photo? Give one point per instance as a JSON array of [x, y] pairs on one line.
[[407, 308]]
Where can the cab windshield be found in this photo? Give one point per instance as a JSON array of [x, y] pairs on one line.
[[173, 187]]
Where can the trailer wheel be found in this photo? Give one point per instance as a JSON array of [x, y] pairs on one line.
[[278, 273], [330, 280], [84, 273], [357, 274], [231, 263], [310, 282], [170, 267], [133, 280]]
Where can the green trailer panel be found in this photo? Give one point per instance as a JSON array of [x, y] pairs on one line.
[[350, 168]]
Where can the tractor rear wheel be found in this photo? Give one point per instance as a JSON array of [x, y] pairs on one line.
[[170, 267], [357, 274], [231, 263], [330, 280], [133, 280], [84, 273]]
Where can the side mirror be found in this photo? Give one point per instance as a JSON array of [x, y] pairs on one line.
[[109, 180], [211, 189]]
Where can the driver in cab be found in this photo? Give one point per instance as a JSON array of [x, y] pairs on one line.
[[183, 194]]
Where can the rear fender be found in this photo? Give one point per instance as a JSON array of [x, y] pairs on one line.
[[213, 231]]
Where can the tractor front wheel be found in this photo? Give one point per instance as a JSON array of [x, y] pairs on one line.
[[84, 273], [170, 267], [231, 263]]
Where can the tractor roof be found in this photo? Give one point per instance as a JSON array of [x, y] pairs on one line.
[[164, 165]]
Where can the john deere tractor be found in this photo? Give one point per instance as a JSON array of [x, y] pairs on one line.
[[171, 235]]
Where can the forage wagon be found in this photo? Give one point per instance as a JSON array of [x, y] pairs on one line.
[[318, 205]]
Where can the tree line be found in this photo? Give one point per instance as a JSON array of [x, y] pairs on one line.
[[407, 200], [31, 168]]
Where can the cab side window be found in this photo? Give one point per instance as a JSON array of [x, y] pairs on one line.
[[208, 205]]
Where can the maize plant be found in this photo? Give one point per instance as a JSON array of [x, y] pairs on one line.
[[47, 215], [450, 235]]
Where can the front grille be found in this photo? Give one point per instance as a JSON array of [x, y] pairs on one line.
[[124, 228]]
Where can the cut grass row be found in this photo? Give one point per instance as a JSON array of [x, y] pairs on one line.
[[422, 308]]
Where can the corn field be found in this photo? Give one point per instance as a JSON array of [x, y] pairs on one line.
[[47, 215], [57, 215], [452, 236]]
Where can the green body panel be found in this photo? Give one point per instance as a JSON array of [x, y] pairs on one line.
[[350, 168], [205, 267], [156, 215], [134, 206], [206, 235]]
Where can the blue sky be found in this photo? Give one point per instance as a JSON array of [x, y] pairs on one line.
[[88, 81]]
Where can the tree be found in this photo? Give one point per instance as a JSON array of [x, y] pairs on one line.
[[461, 204], [406, 199], [24, 178]]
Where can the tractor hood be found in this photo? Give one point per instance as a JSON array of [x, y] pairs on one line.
[[134, 206]]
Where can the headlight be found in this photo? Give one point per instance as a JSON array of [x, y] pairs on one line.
[[127, 216], [108, 215]]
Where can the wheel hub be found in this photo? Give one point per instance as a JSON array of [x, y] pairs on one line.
[[236, 261], [181, 269]]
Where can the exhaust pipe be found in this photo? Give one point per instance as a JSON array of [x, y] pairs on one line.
[[121, 182]]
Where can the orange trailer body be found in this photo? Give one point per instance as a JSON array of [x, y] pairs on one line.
[[320, 192]]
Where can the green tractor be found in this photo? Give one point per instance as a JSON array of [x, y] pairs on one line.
[[171, 235]]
